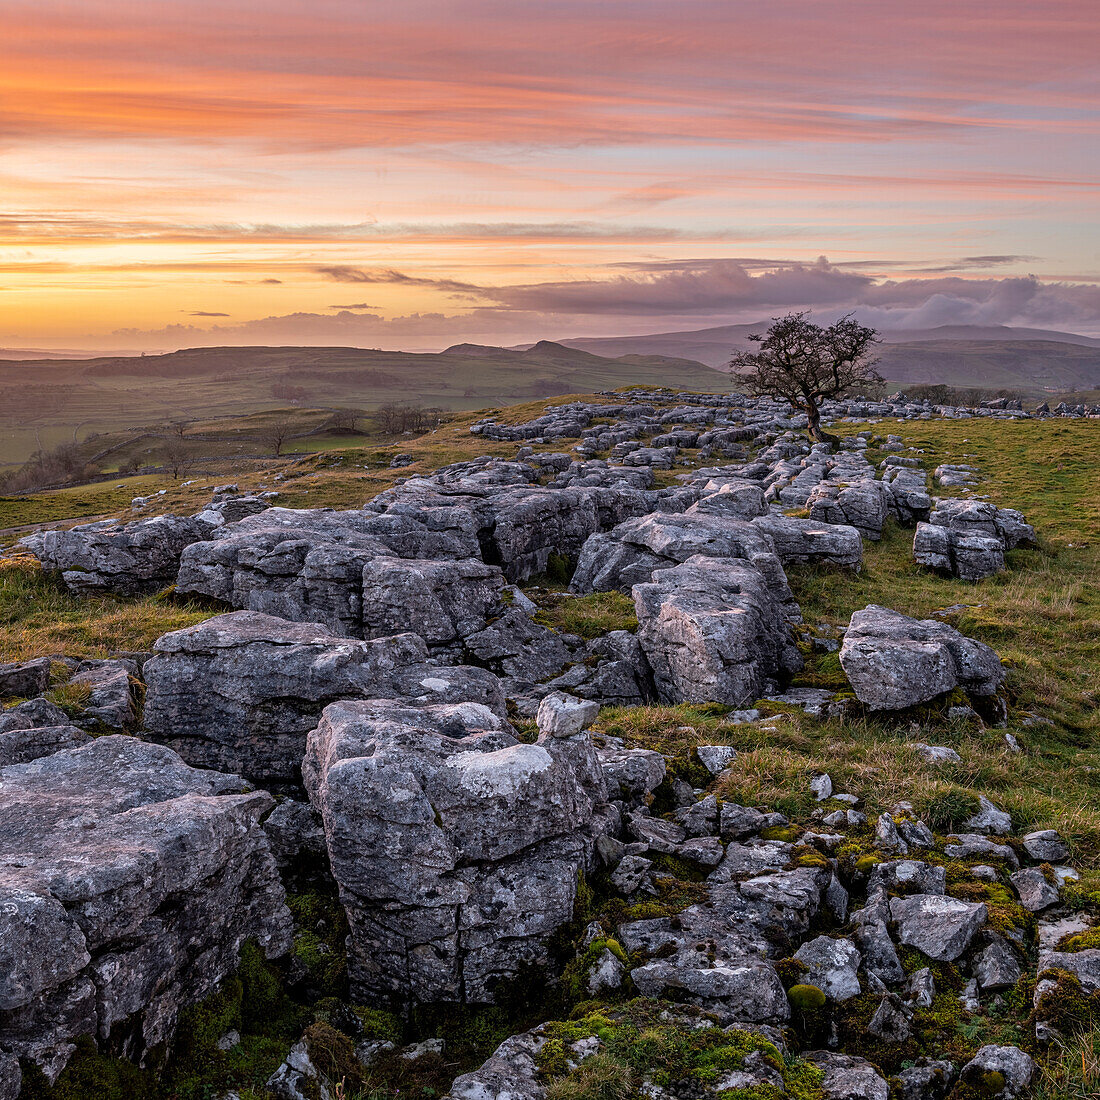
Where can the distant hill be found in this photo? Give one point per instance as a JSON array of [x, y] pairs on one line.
[[1035, 361], [713, 346], [44, 402]]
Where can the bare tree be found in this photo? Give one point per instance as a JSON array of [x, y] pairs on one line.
[[805, 364], [277, 433], [179, 427], [177, 458]]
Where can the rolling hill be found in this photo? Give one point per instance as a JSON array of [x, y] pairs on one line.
[[47, 402], [1034, 361]]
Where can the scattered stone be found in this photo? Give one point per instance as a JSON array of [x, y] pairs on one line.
[[832, 965], [989, 819], [716, 758], [562, 715], [821, 787], [999, 1072], [942, 927], [894, 662], [848, 1078], [24, 679], [1035, 892], [1045, 846]]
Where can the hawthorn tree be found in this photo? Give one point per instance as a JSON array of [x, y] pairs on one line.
[[805, 364]]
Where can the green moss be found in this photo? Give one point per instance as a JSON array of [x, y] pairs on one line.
[[676, 1048], [90, 1074], [791, 971], [320, 941], [1081, 941], [1065, 1005], [806, 998]]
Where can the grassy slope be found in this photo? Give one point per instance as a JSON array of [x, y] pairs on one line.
[[1043, 617], [43, 403]]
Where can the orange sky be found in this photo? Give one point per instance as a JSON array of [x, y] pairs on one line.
[[178, 173]]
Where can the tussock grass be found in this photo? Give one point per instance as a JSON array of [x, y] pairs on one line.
[[588, 616], [39, 618]]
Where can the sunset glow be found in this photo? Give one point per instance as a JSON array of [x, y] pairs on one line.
[[411, 175]]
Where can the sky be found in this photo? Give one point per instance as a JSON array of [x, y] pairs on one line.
[[176, 173]]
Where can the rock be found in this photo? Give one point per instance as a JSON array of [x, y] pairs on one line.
[[510, 1073], [130, 882], [130, 559], [631, 774], [821, 787], [922, 988], [716, 758], [24, 679], [969, 845], [890, 1021], [968, 538], [298, 1078], [21, 746], [657, 834], [632, 552], [33, 714], [456, 847], [809, 540], [942, 927], [738, 822], [989, 819], [297, 839], [632, 873], [704, 850], [999, 1071], [442, 601], [700, 819], [1045, 846], [832, 966], [240, 692], [848, 1078], [996, 966], [606, 974], [110, 698], [926, 1080], [515, 646], [937, 754], [1035, 892], [717, 955], [969, 998], [713, 632], [894, 662], [11, 1076], [562, 715]]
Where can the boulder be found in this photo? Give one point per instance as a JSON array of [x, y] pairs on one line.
[[832, 965], [1035, 892], [633, 551], [456, 847], [1001, 1072], [631, 774], [561, 715], [442, 601], [19, 746], [240, 691], [893, 661], [110, 699], [968, 538], [712, 630], [940, 926], [24, 679], [107, 556], [848, 1078], [808, 540], [130, 882]]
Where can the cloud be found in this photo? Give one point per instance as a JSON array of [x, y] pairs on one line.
[[204, 313], [355, 305], [342, 273]]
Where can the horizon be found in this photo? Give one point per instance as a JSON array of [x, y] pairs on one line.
[[213, 175]]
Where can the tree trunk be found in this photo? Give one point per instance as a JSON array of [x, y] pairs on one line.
[[814, 428]]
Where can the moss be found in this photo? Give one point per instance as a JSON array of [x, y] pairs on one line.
[[791, 971], [675, 1048], [378, 1024], [1081, 941], [90, 1074], [1006, 914], [788, 833], [600, 1077], [333, 1053], [978, 1084], [1065, 1005], [806, 998], [575, 976], [320, 941]]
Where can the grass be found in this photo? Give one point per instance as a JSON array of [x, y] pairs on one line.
[[589, 616], [39, 618]]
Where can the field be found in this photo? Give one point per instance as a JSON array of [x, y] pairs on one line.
[[45, 403], [1042, 616]]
